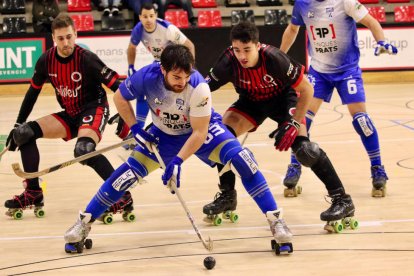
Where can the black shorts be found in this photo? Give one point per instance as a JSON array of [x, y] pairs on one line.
[[94, 117], [279, 109]]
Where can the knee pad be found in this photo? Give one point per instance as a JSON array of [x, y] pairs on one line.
[[307, 152], [26, 132], [138, 168], [243, 164], [83, 146], [363, 124]]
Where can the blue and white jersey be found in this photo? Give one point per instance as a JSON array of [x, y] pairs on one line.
[[331, 30], [155, 42], [170, 111]]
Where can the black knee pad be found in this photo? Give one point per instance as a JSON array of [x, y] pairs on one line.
[[27, 132], [306, 152], [83, 146]]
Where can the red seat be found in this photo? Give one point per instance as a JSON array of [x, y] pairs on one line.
[[378, 13], [404, 14], [204, 3], [211, 18], [83, 22], [369, 1], [79, 5], [177, 17]]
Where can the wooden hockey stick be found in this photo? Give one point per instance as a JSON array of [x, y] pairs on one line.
[[208, 244], [27, 175]]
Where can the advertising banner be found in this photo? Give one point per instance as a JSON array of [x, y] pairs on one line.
[[112, 50], [18, 58]]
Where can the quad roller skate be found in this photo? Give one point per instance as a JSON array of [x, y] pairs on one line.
[[124, 206], [291, 180], [224, 203], [379, 181], [282, 241], [75, 236], [28, 199], [340, 214]]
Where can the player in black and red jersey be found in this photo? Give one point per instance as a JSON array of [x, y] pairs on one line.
[[268, 82], [77, 76]]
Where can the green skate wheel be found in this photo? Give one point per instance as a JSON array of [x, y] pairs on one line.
[[108, 219], [18, 215], [217, 220], [234, 217], [88, 243], [39, 213], [130, 217], [338, 227], [353, 223]]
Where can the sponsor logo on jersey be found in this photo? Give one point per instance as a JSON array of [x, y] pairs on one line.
[[180, 103], [311, 14], [330, 11], [66, 92], [245, 81], [157, 101], [76, 76], [203, 102], [51, 75]]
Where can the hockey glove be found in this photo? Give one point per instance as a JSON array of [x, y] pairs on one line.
[[131, 70], [122, 128], [285, 134], [143, 138], [383, 47], [10, 141], [172, 173]]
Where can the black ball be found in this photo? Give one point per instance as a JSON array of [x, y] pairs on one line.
[[209, 262]]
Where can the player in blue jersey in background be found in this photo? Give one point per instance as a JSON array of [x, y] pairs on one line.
[[333, 46], [184, 124]]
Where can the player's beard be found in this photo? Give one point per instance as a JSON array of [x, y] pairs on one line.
[[174, 88], [67, 51]]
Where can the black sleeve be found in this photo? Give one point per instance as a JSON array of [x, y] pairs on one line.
[[103, 73], [220, 74], [27, 105], [288, 70]]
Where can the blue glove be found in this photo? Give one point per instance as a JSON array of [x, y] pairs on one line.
[[383, 47], [143, 138], [131, 70], [172, 172]]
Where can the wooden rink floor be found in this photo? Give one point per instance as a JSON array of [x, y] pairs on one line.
[[162, 242]]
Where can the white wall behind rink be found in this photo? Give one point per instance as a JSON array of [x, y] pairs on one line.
[[112, 50]]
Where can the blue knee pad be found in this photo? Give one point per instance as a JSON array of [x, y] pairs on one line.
[[363, 124], [112, 190]]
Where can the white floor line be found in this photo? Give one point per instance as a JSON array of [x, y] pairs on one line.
[[210, 229]]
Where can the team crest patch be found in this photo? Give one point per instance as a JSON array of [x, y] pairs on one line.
[[203, 102], [311, 14], [179, 102]]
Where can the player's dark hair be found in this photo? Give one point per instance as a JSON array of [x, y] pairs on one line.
[[245, 31], [63, 20], [147, 6], [177, 56]]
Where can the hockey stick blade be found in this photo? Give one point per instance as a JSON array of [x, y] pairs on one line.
[[27, 175], [4, 151], [208, 244]]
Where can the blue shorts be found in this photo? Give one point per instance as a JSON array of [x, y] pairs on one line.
[[210, 152], [349, 84]]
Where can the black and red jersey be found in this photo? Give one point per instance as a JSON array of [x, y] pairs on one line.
[[274, 72], [77, 79]]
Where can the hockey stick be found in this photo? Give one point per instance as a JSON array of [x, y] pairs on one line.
[[226, 167], [208, 244], [27, 175]]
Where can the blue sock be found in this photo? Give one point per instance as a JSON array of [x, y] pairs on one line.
[[365, 128], [142, 111], [107, 195], [309, 119], [258, 189]]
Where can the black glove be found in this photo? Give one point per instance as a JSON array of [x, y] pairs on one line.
[[10, 141], [122, 128], [285, 134]]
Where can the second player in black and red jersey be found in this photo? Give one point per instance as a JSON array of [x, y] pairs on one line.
[[270, 85], [77, 76]]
